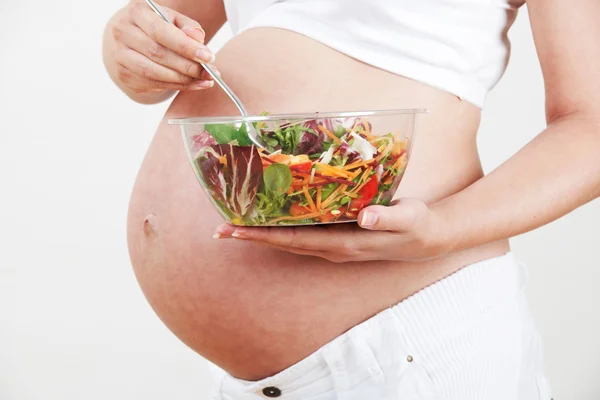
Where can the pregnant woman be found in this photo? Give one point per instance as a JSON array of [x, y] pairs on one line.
[[422, 299]]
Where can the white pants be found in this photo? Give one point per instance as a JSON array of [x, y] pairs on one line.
[[467, 337]]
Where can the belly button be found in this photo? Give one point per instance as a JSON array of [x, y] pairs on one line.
[[149, 225]]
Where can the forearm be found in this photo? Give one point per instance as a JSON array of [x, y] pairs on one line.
[[111, 67], [554, 174]]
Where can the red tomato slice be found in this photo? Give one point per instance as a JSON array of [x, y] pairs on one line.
[[302, 167], [366, 196], [296, 210]]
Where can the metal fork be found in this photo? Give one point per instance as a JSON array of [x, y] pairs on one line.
[[252, 134]]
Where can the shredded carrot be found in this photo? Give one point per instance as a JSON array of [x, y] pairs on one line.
[[332, 170], [400, 146], [319, 182], [357, 164], [401, 162], [366, 132], [328, 133], [366, 124], [332, 204], [357, 173], [311, 203], [366, 174], [378, 139], [298, 218], [385, 152], [352, 195], [362, 181], [330, 199], [319, 194], [359, 187]]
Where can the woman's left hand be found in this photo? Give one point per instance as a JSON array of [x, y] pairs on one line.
[[407, 230]]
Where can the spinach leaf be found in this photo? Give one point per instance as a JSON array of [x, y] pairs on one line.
[[226, 134], [277, 178], [242, 136]]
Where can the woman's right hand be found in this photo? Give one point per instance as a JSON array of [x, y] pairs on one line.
[[151, 55]]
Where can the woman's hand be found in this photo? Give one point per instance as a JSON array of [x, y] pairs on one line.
[[407, 230], [150, 55]]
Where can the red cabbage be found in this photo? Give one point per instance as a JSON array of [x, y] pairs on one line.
[[349, 123], [236, 183], [202, 140], [346, 151], [311, 143]]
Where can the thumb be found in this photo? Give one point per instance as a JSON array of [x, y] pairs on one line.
[[190, 27], [400, 217]]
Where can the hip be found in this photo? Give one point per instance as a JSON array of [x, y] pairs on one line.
[[467, 336]]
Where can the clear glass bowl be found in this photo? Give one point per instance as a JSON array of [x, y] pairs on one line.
[[317, 168]]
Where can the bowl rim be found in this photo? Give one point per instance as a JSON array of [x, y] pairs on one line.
[[276, 117]]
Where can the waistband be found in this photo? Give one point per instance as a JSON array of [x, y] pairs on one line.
[[411, 330]]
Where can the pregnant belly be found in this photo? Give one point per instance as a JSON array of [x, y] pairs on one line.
[[250, 309]]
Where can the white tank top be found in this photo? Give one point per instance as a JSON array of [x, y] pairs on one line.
[[459, 46]]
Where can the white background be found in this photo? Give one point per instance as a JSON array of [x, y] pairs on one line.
[[73, 323]]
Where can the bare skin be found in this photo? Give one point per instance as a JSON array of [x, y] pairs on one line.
[[255, 310]]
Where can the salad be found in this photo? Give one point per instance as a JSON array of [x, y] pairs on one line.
[[312, 171]]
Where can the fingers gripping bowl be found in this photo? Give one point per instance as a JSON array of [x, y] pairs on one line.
[[315, 169]]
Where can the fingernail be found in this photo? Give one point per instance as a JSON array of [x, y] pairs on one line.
[[238, 233], [205, 55], [205, 84], [195, 33], [216, 236], [368, 219], [201, 30]]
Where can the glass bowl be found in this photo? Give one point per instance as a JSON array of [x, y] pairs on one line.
[[319, 168]]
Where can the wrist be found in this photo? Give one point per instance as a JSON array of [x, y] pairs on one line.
[[443, 229]]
